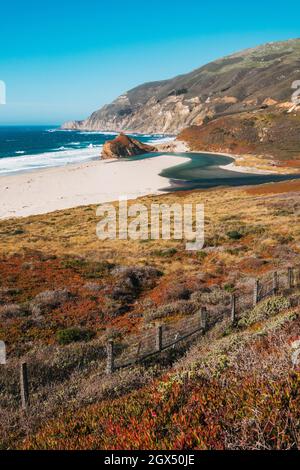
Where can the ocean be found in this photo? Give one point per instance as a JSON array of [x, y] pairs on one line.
[[26, 148]]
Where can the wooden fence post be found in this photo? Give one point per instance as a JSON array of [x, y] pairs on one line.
[[159, 336], [233, 309], [110, 366], [275, 282], [24, 388], [290, 278], [296, 276], [256, 292], [203, 318]]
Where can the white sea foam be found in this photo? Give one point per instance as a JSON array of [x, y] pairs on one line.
[[63, 155], [160, 140], [98, 132], [58, 129], [48, 159]]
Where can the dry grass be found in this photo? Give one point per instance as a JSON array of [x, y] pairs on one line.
[[56, 275], [73, 231]]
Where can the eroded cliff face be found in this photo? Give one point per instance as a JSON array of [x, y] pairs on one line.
[[246, 81], [168, 116]]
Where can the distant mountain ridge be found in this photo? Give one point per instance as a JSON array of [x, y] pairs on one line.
[[249, 80]]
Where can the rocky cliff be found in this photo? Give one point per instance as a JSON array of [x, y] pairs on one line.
[[124, 146], [252, 79]]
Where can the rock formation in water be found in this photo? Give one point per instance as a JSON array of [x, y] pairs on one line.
[[124, 146], [246, 81]]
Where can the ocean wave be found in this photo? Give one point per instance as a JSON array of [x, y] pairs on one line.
[[65, 153], [14, 165], [58, 129], [161, 140], [98, 132]]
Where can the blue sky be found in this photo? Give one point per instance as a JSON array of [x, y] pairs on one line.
[[63, 59]]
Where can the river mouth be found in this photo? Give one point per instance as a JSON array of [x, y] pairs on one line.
[[202, 171]]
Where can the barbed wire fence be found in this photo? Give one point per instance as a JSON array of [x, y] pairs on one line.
[[161, 337]]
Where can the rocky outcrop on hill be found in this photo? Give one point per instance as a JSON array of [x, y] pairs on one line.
[[249, 80], [274, 134], [125, 146]]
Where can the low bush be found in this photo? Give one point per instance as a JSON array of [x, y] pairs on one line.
[[18, 231], [234, 235], [132, 280], [92, 286], [115, 308], [181, 413], [229, 287], [164, 253], [179, 307], [71, 335], [176, 291], [49, 300], [10, 311], [89, 269], [265, 309], [211, 296]]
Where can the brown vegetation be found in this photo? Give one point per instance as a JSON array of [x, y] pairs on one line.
[[271, 135], [63, 293]]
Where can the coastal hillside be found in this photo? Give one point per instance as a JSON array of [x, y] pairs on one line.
[[271, 134], [64, 293], [255, 78]]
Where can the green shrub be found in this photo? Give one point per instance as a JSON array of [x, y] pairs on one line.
[[165, 253], [234, 235], [89, 269], [71, 335], [229, 287], [201, 255], [265, 309], [18, 231]]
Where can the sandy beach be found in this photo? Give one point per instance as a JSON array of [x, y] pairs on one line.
[[94, 182], [47, 190]]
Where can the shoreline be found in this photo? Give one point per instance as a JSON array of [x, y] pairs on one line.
[[94, 182], [45, 190], [181, 146], [240, 168]]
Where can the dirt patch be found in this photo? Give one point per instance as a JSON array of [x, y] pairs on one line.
[[290, 164], [274, 188]]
